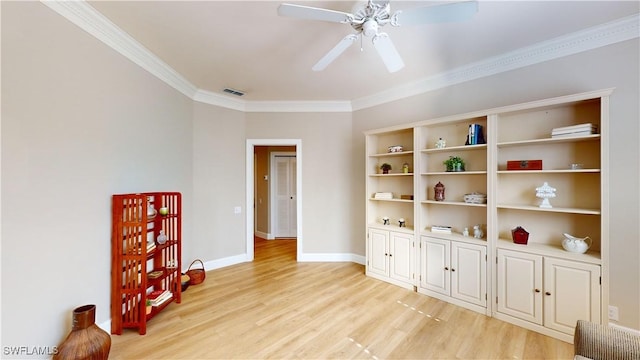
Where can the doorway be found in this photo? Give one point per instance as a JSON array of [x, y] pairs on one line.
[[255, 179]]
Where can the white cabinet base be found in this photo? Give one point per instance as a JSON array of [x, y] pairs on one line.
[[454, 272], [390, 257]]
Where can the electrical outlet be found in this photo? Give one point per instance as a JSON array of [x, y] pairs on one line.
[[613, 313]]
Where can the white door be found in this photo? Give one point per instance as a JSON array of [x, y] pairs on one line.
[[283, 176], [572, 293], [401, 256], [435, 274], [468, 273], [520, 285], [377, 252]]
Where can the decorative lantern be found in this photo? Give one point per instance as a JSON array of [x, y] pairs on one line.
[[439, 192]]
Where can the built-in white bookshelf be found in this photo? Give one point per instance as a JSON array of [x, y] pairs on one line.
[[576, 166]]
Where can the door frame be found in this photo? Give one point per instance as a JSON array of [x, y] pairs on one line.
[[272, 188], [250, 194]]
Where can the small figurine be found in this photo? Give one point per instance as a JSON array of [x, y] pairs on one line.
[[477, 232], [545, 192], [385, 220], [405, 168], [441, 144], [465, 232], [401, 222]]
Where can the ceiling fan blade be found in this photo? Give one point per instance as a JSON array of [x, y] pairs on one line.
[[312, 13], [335, 52], [459, 11], [388, 52]]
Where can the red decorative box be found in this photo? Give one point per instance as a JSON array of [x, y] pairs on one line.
[[524, 165], [520, 235]]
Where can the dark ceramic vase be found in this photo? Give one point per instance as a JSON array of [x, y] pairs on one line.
[[86, 340]]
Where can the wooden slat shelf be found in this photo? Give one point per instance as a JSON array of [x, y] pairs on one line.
[[131, 229]]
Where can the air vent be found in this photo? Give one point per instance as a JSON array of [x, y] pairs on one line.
[[233, 92]]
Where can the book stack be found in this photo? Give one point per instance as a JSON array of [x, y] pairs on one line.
[[442, 229], [476, 135], [154, 274], [383, 195], [159, 297], [574, 130]]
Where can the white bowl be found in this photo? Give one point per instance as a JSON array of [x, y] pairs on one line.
[[475, 198]]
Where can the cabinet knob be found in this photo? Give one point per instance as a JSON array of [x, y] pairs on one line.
[[452, 269], [446, 268], [537, 290], [547, 293], [390, 254], [385, 254]]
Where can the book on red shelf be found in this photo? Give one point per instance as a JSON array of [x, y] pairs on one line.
[[155, 274], [154, 294], [158, 297]]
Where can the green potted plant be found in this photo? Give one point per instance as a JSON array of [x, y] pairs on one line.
[[385, 168], [454, 163]]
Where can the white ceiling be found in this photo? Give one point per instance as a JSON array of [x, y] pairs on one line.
[[245, 45]]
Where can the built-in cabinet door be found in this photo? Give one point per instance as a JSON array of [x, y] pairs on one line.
[[520, 285], [468, 273], [571, 293], [378, 253], [435, 274], [400, 256]]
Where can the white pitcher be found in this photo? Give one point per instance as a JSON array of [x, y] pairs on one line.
[[576, 244]]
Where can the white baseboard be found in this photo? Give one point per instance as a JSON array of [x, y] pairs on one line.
[[262, 235], [106, 326], [224, 262], [317, 257]]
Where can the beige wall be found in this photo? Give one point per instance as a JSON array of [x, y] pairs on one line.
[[612, 66], [79, 123], [326, 173], [218, 184]]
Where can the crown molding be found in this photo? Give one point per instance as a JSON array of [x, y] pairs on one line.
[[211, 98], [299, 106], [86, 17], [90, 20], [602, 35]]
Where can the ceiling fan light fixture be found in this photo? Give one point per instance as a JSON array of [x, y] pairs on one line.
[[368, 18], [370, 28]]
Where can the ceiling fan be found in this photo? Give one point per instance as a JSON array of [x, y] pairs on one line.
[[367, 19]]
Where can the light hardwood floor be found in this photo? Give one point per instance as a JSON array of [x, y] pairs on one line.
[[277, 308]]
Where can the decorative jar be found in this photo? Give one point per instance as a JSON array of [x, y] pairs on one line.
[[86, 340], [520, 235], [438, 192]]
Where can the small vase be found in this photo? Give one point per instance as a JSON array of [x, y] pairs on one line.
[[86, 340]]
